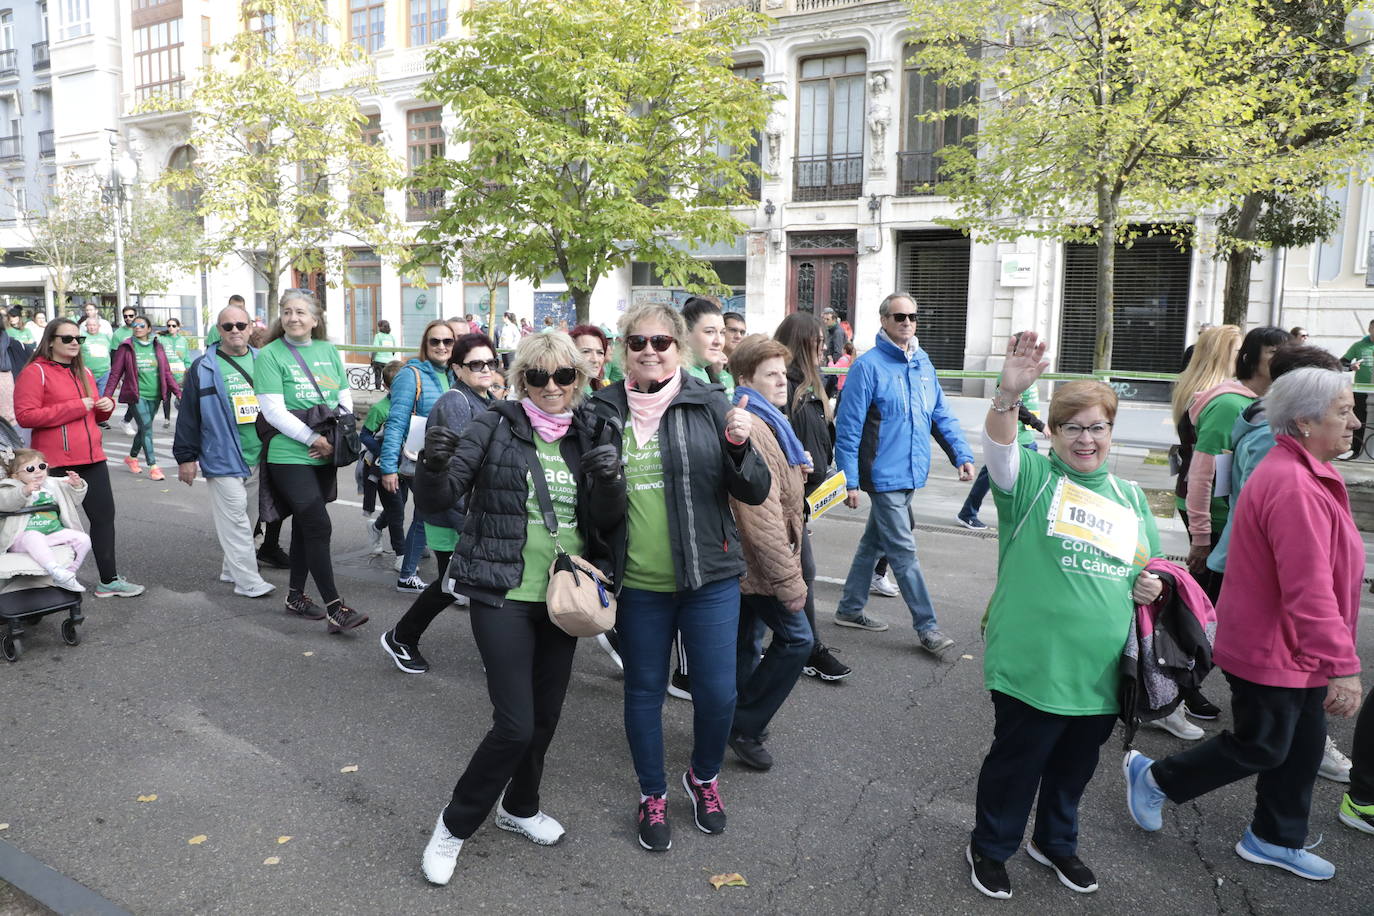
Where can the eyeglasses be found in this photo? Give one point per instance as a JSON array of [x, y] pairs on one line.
[[40, 466], [538, 378], [900, 317], [441, 341], [659, 342], [227, 326], [1097, 430], [481, 365], [71, 338]]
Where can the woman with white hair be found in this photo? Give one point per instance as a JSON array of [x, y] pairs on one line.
[[1285, 631]]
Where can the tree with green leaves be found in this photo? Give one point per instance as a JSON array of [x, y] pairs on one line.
[[596, 131], [161, 243], [1099, 114], [283, 165], [70, 239]]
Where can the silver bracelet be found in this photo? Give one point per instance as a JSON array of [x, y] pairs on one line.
[[998, 407]]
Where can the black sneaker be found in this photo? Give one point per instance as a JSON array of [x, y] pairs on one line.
[[407, 658], [655, 833], [300, 605], [824, 665], [751, 752], [707, 807], [342, 617], [1198, 706], [680, 686], [274, 557], [1072, 873], [988, 877]]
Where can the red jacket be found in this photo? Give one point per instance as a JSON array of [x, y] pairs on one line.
[[122, 382], [1290, 601], [47, 400]]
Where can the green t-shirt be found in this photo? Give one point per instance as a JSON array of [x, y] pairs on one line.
[[726, 378], [615, 371], [244, 402], [438, 537], [377, 414], [538, 552], [1214, 426], [649, 565], [95, 353], [279, 373], [384, 356], [178, 354], [145, 358], [1025, 435], [1060, 613], [122, 334], [46, 522], [1363, 350], [23, 335]]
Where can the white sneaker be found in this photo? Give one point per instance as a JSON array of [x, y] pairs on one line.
[[882, 585], [130, 428], [604, 642], [1177, 725], [257, 591], [64, 578], [374, 539], [540, 828], [225, 577], [1335, 765], [441, 854]]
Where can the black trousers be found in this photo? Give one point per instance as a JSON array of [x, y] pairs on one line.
[[529, 663], [1210, 580], [1361, 411], [304, 486], [1280, 734], [426, 606], [99, 506], [393, 517], [1362, 756], [1033, 749]]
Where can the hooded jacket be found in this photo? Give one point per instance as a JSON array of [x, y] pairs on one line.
[[48, 400], [206, 429], [123, 377], [405, 402], [13, 498], [882, 432], [1251, 440]]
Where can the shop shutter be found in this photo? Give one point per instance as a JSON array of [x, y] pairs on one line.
[[933, 267]]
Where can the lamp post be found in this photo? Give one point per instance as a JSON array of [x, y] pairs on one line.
[[114, 191]]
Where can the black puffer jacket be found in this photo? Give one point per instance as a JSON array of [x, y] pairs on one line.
[[489, 468], [454, 410], [817, 434], [700, 473]]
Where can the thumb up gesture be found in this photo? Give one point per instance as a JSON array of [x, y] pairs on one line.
[[737, 423]]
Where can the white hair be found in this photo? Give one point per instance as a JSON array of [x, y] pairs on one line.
[[1303, 394]]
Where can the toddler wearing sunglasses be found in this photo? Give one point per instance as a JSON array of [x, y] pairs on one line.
[[55, 523]]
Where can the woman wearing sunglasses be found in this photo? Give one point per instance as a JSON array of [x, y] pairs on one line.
[[56, 397], [502, 566], [413, 393], [141, 376], [678, 556], [178, 350], [475, 362]]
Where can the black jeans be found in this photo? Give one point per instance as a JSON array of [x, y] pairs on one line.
[[1210, 580], [1034, 749], [99, 506], [1361, 410], [1280, 734], [1362, 756], [426, 606], [393, 515], [762, 686], [529, 663], [303, 487]]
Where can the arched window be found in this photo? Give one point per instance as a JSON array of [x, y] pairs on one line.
[[183, 159]]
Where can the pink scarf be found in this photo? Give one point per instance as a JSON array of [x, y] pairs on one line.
[[646, 410], [549, 426]]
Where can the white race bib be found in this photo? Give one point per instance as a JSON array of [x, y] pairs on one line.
[[1079, 514], [245, 408]]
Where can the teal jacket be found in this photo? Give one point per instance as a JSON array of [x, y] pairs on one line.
[[1253, 439]]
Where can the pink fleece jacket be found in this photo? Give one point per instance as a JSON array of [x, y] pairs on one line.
[[1290, 602]]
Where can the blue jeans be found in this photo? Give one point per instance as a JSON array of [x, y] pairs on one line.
[[707, 619], [414, 546], [763, 686], [979, 490], [888, 534]]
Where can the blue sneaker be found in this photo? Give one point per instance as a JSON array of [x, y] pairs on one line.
[[1299, 861], [1144, 797]]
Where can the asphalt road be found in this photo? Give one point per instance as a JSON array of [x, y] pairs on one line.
[[240, 720]]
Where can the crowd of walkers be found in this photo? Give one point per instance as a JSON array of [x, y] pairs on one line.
[[679, 455]]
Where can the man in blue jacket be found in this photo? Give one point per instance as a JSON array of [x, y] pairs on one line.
[[216, 433], [892, 402]]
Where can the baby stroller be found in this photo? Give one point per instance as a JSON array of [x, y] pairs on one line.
[[27, 594]]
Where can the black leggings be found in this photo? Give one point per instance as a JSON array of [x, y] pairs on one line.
[[1362, 756], [303, 487], [427, 606], [99, 506]]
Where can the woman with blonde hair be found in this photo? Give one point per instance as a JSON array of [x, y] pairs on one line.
[[1213, 362]]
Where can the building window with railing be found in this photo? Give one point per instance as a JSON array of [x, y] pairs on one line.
[[752, 72], [424, 141], [428, 21], [157, 60], [76, 18], [830, 128], [9, 56], [367, 20], [923, 136]]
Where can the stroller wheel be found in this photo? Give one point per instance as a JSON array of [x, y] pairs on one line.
[[12, 648], [70, 635]]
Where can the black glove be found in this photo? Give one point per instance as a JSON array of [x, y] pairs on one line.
[[440, 444], [602, 462]]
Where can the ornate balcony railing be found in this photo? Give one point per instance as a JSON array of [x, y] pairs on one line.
[[827, 177], [41, 60], [917, 174], [46, 148]]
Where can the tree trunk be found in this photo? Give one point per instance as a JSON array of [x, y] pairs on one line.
[[1236, 305], [492, 326], [1106, 275], [582, 301]]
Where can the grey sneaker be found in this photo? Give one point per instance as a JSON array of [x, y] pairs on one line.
[[934, 642], [119, 588], [862, 622]]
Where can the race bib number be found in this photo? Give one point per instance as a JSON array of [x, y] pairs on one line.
[[1081, 515], [98, 350], [245, 408]]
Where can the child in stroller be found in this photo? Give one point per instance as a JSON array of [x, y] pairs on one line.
[[40, 514]]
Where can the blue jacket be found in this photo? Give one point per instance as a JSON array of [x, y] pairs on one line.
[[404, 402], [206, 431], [891, 406]]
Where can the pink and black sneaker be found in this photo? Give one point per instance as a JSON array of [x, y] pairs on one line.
[[707, 807], [655, 833]]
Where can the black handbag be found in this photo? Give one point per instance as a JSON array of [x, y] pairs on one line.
[[337, 425]]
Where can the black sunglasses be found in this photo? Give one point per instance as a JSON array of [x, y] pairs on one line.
[[538, 378], [69, 338], [441, 341], [233, 325], [902, 316], [172, 326], [659, 342], [40, 466], [481, 365]]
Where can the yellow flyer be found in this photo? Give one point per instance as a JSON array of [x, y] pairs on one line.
[[827, 495], [1081, 515]]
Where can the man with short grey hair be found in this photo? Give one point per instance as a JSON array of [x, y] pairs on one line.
[[892, 405], [217, 435]]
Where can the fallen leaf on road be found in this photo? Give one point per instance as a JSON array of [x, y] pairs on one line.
[[147, 798], [307, 654], [4, 826], [969, 657], [731, 880], [351, 768], [283, 839], [197, 839], [271, 860]]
